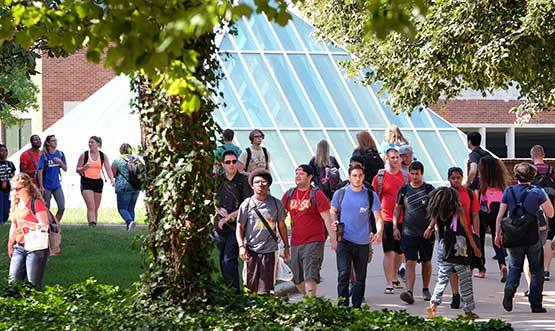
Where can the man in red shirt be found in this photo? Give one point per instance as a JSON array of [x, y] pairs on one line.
[[309, 210], [28, 161], [471, 206], [386, 184]]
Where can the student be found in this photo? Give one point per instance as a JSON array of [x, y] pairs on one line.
[[7, 170], [255, 156], [126, 194], [412, 201], [29, 160], [474, 139], [326, 169], [51, 161]]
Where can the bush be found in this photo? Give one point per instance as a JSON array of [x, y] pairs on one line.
[[91, 306]]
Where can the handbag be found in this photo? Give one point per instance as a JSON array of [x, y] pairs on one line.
[[36, 240], [520, 230], [455, 247], [283, 271]]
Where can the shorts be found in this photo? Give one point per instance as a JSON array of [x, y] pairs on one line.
[[551, 225], [388, 241], [260, 272], [416, 248], [94, 185], [306, 261]]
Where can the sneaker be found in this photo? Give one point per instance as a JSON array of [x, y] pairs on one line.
[[456, 301], [503, 274], [546, 275], [508, 298], [426, 294], [407, 297], [539, 310], [471, 315], [92, 224], [480, 274], [526, 293], [397, 284], [131, 226], [401, 273]]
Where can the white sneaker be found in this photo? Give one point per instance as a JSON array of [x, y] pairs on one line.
[[131, 226]]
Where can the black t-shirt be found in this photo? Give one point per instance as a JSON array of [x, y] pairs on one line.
[[7, 170], [476, 154], [231, 193], [414, 201], [443, 225]]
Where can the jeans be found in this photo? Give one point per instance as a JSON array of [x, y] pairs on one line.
[[60, 200], [126, 205], [488, 220], [534, 253], [31, 264], [350, 255], [4, 206], [229, 253]]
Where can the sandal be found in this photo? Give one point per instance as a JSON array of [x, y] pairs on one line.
[[388, 290], [397, 284], [431, 311], [471, 315]]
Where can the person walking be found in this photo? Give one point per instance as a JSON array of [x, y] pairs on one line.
[[494, 180], [387, 184], [259, 218], [309, 210], [28, 214], [7, 170], [90, 166], [29, 160], [352, 206], [393, 138], [326, 169], [126, 194], [255, 156], [367, 154], [405, 153], [445, 211], [228, 145], [412, 201], [51, 162], [233, 189], [520, 200], [474, 139]]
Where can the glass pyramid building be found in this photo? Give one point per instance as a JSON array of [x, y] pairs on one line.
[[280, 80]]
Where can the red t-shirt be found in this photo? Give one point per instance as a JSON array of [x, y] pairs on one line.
[[27, 215], [306, 223], [465, 202], [25, 159], [388, 198]]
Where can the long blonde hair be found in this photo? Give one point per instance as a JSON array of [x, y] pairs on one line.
[[25, 181], [393, 135], [322, 158], [365, 141]]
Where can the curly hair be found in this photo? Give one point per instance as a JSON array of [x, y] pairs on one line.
[[492, 173], [444, 202], [25, 182]]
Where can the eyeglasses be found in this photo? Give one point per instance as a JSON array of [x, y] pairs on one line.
[[17, 189], [257, 136], [260, 182], [230, 161]]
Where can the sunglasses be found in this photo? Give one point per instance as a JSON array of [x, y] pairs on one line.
[[230, 161], [260, 182]]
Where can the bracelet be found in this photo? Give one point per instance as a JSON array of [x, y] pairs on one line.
[[242, 246], [286, 246]]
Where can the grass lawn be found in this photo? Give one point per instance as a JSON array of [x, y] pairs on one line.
[[105, 216]]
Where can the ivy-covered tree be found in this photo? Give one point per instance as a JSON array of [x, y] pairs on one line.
[[458, 44]]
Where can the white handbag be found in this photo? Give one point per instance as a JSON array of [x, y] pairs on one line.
[[36, 240]]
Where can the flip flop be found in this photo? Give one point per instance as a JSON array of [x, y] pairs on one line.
[[388, 290], [397, 284]]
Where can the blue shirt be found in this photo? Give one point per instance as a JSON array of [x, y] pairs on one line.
[[535, 198], [51, 172], [355, 213]]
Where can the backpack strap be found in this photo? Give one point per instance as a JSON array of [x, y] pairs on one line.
[[470, 196], [519, 202], [249, 155], [340, 196], [33, 209], [381, 175], [11, 166], [32, 159], [266, 157], [289, 195], [403, 192], [313, 196], [85, 157]]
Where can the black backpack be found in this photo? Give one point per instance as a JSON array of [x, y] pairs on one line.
[[135, 170], [545, 181], [249, 156], [520, 230], [371, 161]]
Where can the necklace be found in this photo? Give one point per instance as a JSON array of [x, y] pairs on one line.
[[303, 197]]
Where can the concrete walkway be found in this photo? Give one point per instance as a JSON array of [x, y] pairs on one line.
[[488, 293]]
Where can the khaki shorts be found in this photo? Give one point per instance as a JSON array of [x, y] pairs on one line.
[[306, 261]]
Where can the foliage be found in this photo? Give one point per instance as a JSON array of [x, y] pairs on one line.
[[90, 306], [18, 94], [479, 45]]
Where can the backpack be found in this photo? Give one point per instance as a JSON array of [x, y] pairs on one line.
[[545, 181], [249, 156], [381, 175], [371, 218], [331, 180], [371, 161], [54, 230], [520, 230], [134, 170]]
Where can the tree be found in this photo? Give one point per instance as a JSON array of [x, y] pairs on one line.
[[481, 45]]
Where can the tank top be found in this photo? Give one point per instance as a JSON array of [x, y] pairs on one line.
[[95, 168]]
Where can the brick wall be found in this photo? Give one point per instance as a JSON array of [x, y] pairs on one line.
[[69, 79], [485, 111]]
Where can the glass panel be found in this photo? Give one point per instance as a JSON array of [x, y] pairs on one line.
[[287, 37], [438, 121], [295, 142], [332, 48], [279, 159], [292, 90], [226, 44], [243, 38], [306, 32], [437, 151], [344, 147], [218, 117], [242, 138], [337, 90], [372, 133], [418, 154], [399, 120], [314, 138], [247, 92], [263, 33], [457, 147], [269, 90], [315, 91], [231, 108], [420, 120], [378, 136], [367, 104]]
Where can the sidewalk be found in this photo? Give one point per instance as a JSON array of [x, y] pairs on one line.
[[488, 293]]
